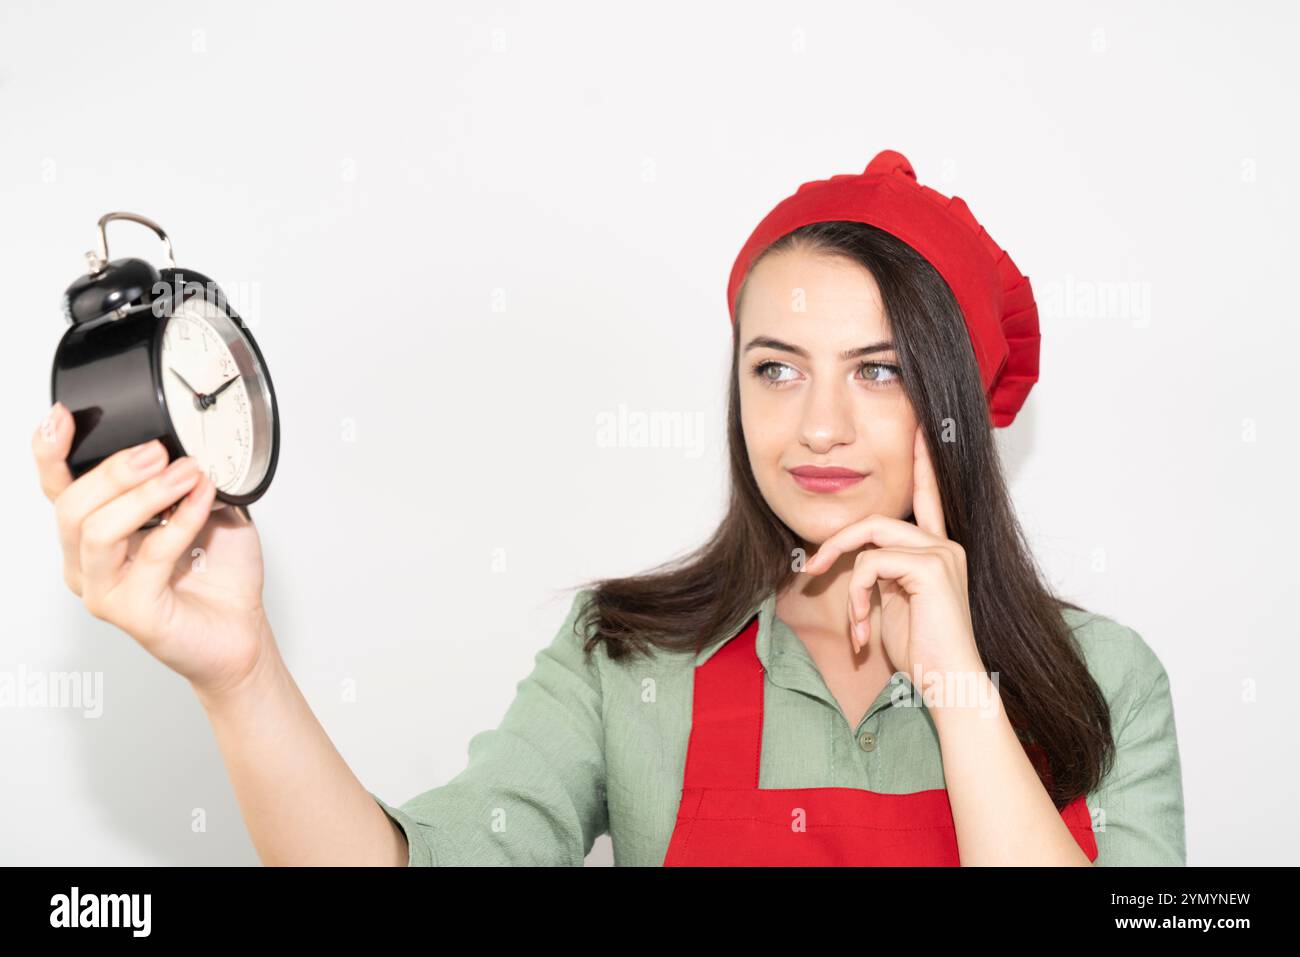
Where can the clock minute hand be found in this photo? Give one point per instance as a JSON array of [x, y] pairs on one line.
[[211, 397], [225, 385]]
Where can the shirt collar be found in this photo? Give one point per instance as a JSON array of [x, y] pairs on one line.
[[765, 608], [787, 662]]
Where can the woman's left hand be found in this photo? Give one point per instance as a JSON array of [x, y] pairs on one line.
[[909, 584]]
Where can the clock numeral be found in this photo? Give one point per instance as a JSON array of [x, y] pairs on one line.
[[184, 331]]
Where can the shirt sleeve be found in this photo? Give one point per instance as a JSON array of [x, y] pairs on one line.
[[1138, 807], [533, 792]]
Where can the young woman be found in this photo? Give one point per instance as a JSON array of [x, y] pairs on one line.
[[862, 666]]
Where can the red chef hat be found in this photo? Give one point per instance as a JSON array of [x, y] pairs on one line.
[[995, 298]]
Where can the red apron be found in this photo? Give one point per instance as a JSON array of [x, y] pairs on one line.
[[726, 819]]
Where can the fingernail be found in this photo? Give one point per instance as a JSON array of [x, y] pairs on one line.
[[47, 423], [149, 455]]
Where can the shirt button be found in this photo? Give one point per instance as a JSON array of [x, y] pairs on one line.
[[867, 741]]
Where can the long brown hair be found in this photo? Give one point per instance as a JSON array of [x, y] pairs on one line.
[[703, 597]]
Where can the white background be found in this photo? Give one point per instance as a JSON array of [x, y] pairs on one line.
[[463, 231]]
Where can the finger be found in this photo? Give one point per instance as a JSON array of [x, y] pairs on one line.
[[116, 474], [872, 623], [858, 625], [879, 530], [911, 568], [50, 445], [859, 597], [927, 505], [864, 595], [864, 602], [105, 531], [155, 562]]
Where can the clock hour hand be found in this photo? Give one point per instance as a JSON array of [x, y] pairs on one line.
[[195, 392], [201, 401]]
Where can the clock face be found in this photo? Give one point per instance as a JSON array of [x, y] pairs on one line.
[[217, 395]]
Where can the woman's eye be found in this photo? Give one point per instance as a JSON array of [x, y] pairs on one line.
[[763, 369], [881, 373]]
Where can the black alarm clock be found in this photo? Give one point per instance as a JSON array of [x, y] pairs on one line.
[[160, 354]]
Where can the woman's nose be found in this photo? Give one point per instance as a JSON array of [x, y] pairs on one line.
[[827, 416]]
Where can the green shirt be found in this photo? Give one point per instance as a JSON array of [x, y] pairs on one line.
[[590, 747]]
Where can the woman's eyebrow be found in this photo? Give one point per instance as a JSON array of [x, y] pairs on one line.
[[759, 342]]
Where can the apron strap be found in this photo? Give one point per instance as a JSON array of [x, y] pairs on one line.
[[726, 742]]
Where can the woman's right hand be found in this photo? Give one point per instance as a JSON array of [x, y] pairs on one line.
[[189, 591]]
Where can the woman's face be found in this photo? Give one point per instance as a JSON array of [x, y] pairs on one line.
[[817, 389]]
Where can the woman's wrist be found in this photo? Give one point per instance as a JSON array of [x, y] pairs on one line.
[[264, 674], [960, 694]]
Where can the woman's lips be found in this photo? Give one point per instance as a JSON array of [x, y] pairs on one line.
[[824, 480]]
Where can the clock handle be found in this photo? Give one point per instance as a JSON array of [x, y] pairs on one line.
[[99, 260]]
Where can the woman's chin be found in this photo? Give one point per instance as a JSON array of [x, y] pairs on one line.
[[816, 533], [819, 521]]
